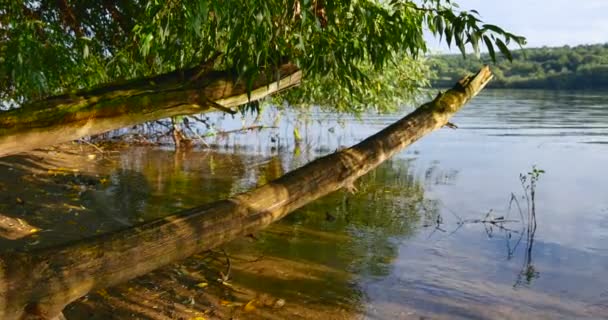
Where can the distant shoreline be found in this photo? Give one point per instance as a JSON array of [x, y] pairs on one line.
[[445, 84], [562, 68]]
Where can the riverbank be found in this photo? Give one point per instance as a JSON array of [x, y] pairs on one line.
[[582, 67]]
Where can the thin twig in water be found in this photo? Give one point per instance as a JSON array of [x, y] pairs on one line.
[[514, 200], [163, 124], [243, 260], [256, 127], [93, 145], [197, 135], [438, 223], [226, 276]]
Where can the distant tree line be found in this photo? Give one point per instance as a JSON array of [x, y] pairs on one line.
[[580, 67]]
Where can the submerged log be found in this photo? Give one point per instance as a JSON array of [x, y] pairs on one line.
[[41, 283], [73, 116]]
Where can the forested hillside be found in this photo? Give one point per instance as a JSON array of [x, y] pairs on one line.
[[581, 67]]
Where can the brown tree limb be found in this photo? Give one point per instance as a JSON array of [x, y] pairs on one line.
[[72, 116], [69, 18], [43, 282], [117, 16]]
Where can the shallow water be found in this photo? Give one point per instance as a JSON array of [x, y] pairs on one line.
[[396, 249]]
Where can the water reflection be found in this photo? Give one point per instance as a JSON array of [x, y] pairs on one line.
[[308, 260], [71, 194], [388, 251], [390, 204]]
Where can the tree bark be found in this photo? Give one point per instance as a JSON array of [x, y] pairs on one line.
[[69, 117], [41, 283]]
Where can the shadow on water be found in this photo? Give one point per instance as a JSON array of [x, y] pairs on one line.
[[44, 193]]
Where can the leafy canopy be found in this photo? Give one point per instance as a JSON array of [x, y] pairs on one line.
[[53, 46]]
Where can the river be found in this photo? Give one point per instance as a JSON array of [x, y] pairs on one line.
[[432, 233]]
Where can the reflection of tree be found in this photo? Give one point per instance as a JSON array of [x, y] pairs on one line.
[[306, 258], [435, 176], [270, 170], [390, 203], [187, 179], [129, 191], [317, 253], [147, 184]]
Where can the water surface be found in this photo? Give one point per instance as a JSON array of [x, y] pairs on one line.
[[395, 249]]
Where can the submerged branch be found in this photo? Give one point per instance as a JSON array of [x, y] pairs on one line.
[[73, 116]]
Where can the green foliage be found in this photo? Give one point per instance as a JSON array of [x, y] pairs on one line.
[[384, 90], [535, 173], [581, 67], [49, 47]]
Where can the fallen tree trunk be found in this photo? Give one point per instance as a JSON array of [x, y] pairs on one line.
[[41, 283], [69, 117]]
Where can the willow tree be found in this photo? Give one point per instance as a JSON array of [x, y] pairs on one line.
[[72, 68]]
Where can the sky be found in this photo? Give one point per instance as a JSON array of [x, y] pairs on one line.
[[544, 22]]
